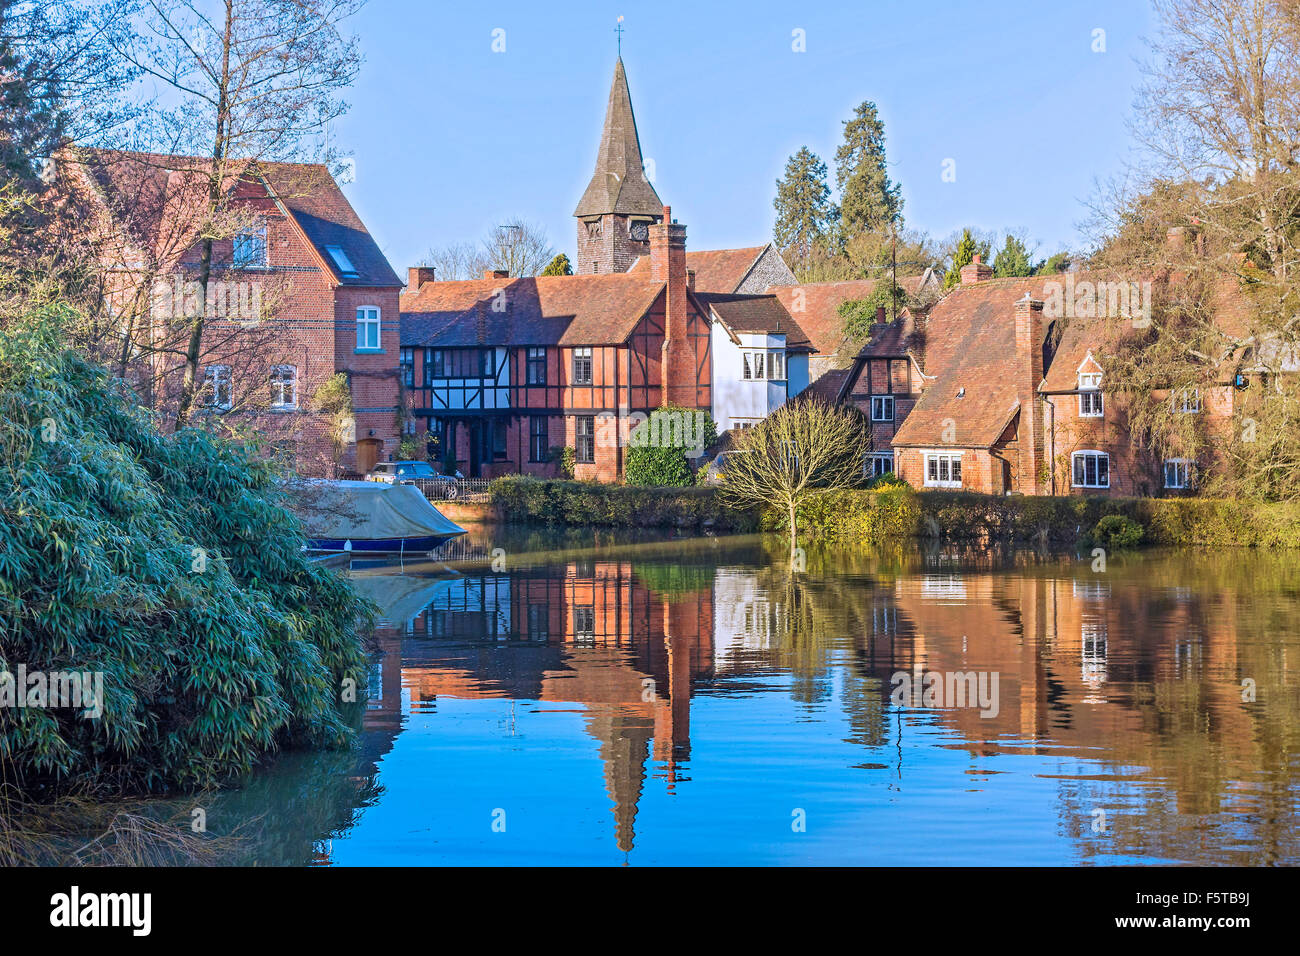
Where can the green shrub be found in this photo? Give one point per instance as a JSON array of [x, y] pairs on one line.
[[567, 458], [531, 500], [167, 564], [658, 448], [1117, 532]]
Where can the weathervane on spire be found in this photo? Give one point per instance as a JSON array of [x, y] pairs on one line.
[[619, 30]]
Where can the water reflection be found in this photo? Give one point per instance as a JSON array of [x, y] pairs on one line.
[[1158, 699]]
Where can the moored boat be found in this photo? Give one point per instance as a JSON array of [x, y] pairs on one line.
[[370, 517]]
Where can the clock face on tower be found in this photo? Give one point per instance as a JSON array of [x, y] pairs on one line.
[[639, 231]]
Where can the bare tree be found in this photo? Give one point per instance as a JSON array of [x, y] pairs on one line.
[[804, 448], [456, 260], [519, 248], [248, 82]]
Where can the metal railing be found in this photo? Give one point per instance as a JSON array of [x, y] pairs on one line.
[[453, 489]]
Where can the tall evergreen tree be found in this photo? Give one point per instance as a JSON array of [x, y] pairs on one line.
[[869, 200], [964, 254], [559, 266], [805, 215], [1012, 259]]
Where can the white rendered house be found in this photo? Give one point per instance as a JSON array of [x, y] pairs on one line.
[[759, 357]]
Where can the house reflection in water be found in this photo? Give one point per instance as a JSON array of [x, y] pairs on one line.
[[1127, 680], [587, 632]]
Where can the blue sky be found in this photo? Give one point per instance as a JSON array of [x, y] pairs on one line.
[[450, 138]]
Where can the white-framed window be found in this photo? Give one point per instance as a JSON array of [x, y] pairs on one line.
[[583, 368], [882, 408], [217, 393], [1091, 404], [249, 248], [284, 386], [1179, 473], [943, 469], [368, 327], [776, 366], [1090, 469], [1186, 401], [878, 463], [754, 365]]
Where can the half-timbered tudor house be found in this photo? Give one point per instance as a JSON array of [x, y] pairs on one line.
[[505, 372]]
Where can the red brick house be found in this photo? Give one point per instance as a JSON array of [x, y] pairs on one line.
[[995, 391], [502, 370], [328, 298], [815, 306]]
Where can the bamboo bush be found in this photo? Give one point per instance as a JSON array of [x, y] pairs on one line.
[[166, 563]]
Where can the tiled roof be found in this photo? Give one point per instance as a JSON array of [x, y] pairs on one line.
[[310, 193], [716, 270], [542, 310], [970, 349], [815, 306], [154, 186], [828, 386], [619, 183], [757, 313]]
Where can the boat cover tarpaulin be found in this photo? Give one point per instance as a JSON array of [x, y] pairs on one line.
[[368, 511]]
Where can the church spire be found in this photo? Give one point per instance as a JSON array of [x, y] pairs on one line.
[[619, 185]]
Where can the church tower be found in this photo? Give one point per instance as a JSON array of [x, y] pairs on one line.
[[616, 212]]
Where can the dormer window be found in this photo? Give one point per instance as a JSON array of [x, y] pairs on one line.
[[346, 269], [1091, 404]]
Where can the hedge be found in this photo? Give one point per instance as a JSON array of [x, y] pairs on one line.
[[531, 500], [887, 513], [875, 515]]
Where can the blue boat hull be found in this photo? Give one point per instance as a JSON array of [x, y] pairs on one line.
[[380, 545]]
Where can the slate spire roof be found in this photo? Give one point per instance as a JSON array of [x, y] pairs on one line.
[[619, 185]]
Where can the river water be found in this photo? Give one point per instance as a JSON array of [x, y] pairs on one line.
[[611, 701]]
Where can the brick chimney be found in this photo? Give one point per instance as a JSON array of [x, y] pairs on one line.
[[975, 271], [417, 276], [496, 274], [668, 265], [1029, 375]]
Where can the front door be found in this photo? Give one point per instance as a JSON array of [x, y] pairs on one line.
[[368, 450]]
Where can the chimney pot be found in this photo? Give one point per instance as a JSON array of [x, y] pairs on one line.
[[975, 271]]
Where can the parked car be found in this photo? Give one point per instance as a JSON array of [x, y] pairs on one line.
[[715, 473], [418, 473]]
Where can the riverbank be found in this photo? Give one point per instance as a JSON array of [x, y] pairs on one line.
[[878, 515]]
